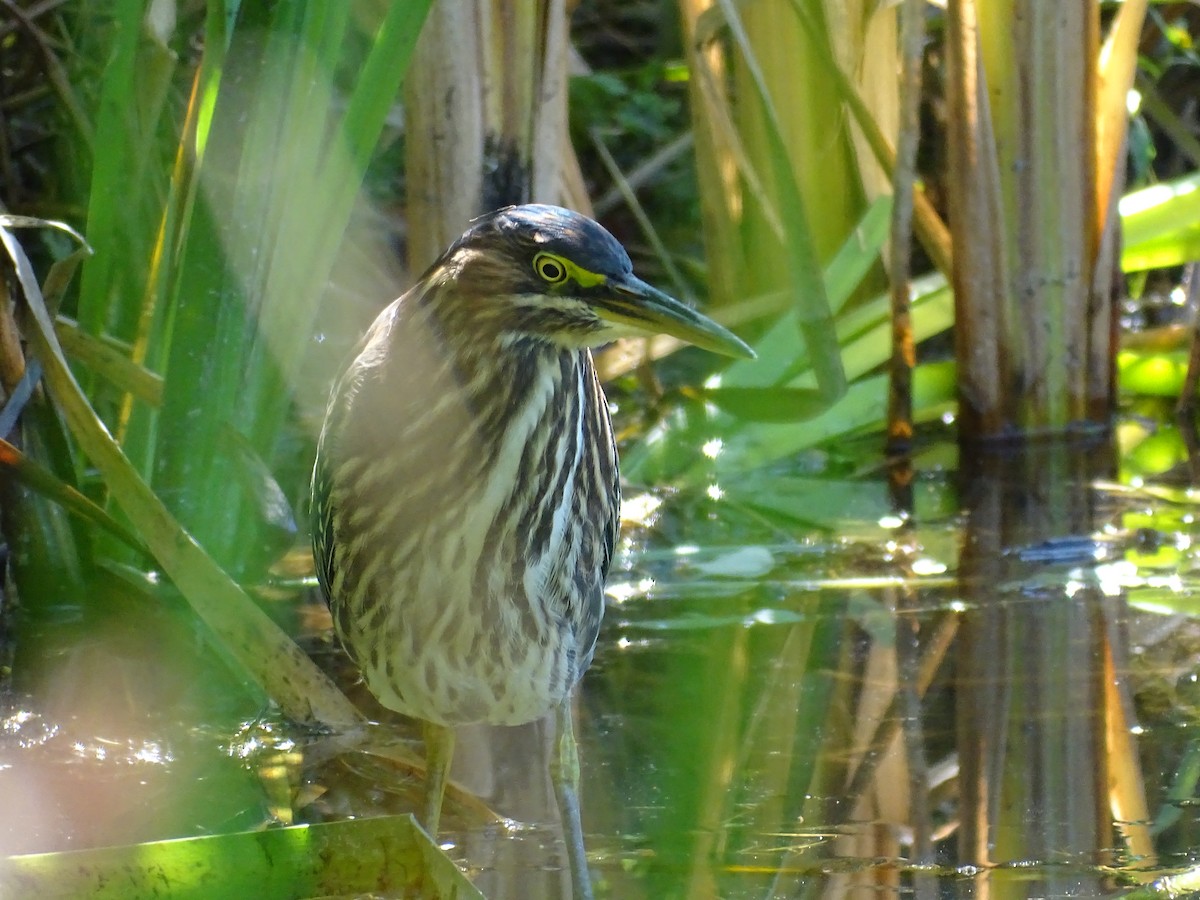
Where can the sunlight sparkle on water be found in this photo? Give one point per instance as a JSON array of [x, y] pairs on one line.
[[152, 752], [246, 748], [764, 617], [926, 566], [1112, 578], [626, 590], [712, 448], [1116, 576], [93, 751], [38, 732], [891, 521], [714, 492], [640, 509], [1124, 575], [619, 593], [14, 722]]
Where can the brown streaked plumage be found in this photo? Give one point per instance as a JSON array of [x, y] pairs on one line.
[[466, 490]]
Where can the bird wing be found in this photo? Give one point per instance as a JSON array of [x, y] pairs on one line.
[[603, 509]]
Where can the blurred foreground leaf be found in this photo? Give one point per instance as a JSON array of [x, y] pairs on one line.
[[263, 651], [389, 854], [286, 152]]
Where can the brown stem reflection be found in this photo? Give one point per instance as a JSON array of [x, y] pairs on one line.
[[1030, 700]]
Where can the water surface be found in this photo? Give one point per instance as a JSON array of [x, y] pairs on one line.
[[800, 692]]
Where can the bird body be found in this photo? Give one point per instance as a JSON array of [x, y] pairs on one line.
[[466, 498], [465, 495], [469, 546]]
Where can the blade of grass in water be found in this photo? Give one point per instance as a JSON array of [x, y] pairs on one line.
[[804, 278]]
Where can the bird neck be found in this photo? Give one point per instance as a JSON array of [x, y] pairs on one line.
[[420, 391], [482, 348]]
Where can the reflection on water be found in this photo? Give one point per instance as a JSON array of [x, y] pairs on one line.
[[798, 693], [114, 728], [827, 729]]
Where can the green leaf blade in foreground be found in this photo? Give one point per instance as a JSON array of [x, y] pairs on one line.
[[388, 854], [257, 644], [260, 252]]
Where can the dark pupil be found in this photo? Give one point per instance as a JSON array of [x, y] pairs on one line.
[[551, 270]]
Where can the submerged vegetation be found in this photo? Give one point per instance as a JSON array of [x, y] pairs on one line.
[[239, 187]]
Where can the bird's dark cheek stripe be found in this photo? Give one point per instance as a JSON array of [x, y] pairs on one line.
[[625, 310]]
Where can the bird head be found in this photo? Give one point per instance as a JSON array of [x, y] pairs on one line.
[[552, 275]]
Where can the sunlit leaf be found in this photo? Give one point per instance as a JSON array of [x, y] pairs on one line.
[[1161, 224], [386, 855], [770, 404], [1153, 374]]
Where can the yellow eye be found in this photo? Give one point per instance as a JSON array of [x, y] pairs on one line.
[[550, 269]]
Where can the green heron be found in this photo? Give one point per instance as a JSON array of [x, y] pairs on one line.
[[466, 492]]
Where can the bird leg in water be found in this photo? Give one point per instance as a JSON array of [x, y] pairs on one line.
[[564, 773], [439, 749]]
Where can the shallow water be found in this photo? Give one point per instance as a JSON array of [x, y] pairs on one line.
[[798, 693]]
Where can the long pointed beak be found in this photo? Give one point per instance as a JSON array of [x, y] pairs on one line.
[[642, 307]]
